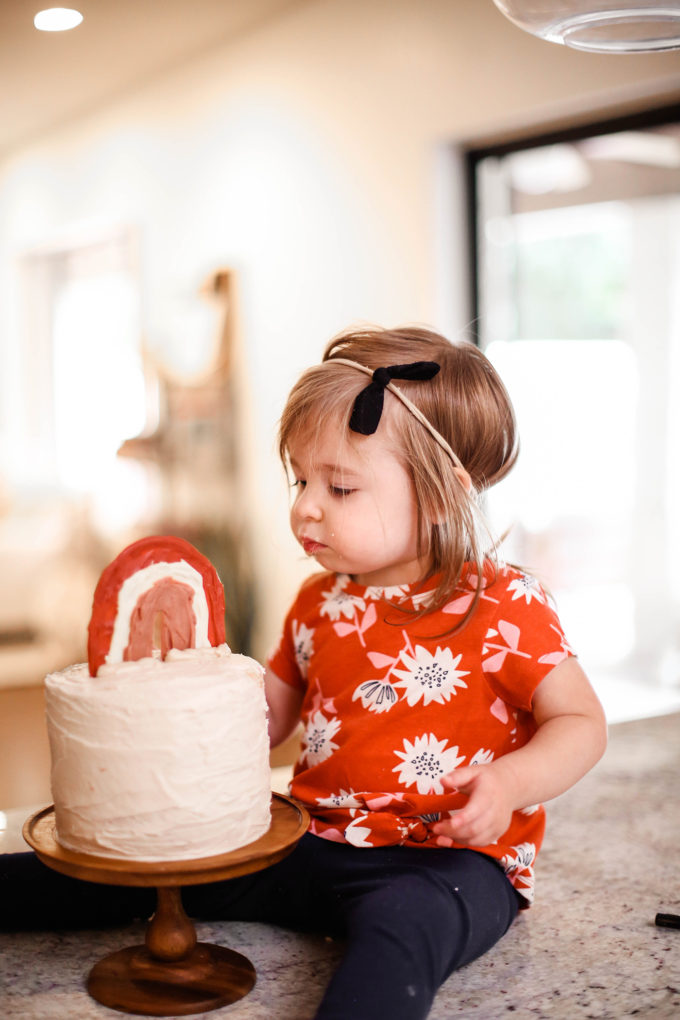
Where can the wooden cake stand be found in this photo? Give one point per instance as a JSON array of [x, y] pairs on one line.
[[171, 974]]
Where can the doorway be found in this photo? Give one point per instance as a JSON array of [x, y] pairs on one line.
[[576, 241]]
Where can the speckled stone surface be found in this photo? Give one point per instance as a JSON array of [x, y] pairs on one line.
[[587, 949]]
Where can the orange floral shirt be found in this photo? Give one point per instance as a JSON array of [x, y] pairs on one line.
[[389, 709]]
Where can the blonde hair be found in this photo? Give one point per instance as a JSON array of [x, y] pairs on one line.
[[468, 405]]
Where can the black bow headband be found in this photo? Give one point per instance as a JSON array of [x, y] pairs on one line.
[[369, 402]]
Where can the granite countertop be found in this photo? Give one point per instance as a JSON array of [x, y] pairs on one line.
[[589, 947], [43, 974]]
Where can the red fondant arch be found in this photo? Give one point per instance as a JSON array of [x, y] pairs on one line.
[[141, 554]]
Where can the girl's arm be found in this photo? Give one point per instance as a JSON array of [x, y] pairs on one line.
[[571, 737], [284, 703]]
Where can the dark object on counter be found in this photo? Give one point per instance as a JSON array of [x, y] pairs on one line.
[[667, 920]]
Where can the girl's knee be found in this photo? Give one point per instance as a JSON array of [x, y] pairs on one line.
[[436, 921]]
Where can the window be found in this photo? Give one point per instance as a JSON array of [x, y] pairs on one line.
[[83, 384], [577, 255]]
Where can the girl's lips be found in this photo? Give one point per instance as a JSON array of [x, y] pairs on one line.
[[311, 547]]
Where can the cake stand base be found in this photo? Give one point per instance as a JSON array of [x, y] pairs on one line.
[[172, 974], [133, 981]]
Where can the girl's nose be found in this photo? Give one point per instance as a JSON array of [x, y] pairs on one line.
[[307, 507]]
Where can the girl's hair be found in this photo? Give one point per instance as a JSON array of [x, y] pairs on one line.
[[466, 403]]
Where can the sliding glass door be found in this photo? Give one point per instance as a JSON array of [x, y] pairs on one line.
[[578, 290]]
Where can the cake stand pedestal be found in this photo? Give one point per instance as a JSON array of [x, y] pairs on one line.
[[171, 974]]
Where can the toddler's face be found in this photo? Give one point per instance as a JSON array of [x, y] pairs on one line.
[[354, 508]]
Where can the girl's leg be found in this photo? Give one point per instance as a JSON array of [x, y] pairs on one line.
[[34, 897], [286, 893], [413, 917]]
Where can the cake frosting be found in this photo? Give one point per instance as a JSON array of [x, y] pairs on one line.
[[160, 760], [163, 757]]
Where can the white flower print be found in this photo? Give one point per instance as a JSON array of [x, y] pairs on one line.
[[358, 834], [337, 602], [303, 642], [425, 761], [317, 738], [531, 810], [420, 598], [526, 587], [341, 799], [376, 695], [395, 593], [525, 855], [525, 884], [430, 677], [481, 757]]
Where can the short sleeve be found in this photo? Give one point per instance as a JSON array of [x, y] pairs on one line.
[[283, 660], [524, 642]]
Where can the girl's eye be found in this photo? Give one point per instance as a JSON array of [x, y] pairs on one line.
[[335, 490], [299, 483]]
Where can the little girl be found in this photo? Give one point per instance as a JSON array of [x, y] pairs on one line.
[[439, 699]]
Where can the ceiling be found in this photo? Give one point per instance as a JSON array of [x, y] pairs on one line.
[[48, 78]]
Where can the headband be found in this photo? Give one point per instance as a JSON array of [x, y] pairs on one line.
[[368, 404]]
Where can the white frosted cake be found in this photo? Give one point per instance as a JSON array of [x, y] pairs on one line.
[[157, 759]]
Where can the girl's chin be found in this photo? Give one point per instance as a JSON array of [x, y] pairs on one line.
[[329, 560]]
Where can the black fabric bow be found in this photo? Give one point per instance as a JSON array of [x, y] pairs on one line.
[[369, 402]]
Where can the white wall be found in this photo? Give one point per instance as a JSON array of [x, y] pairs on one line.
[[306, 157]]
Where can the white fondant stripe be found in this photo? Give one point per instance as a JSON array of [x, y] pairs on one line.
[[141, 581]]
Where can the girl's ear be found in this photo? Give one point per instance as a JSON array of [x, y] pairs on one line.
[[463, 477]]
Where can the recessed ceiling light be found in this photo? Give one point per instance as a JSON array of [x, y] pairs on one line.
[[57, 19]]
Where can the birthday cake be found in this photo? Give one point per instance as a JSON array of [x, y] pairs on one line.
[[159, 754]]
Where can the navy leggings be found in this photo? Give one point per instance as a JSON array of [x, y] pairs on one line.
[[410, 916]]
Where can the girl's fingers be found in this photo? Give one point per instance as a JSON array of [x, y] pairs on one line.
[[459, 779]]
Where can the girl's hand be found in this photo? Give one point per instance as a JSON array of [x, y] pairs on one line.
[[488, 812], [571, 736]]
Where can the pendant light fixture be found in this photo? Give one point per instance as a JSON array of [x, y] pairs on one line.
[[600, 26]]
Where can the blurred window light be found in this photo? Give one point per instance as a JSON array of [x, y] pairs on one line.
[[84, 385], [550, 168], [597, 455], [636, 147], [569, 505], [578, 309], [99, 388]]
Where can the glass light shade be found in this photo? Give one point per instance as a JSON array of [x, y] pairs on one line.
[[599, 26]]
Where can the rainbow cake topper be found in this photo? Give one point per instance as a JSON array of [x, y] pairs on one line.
[[159, 576]]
